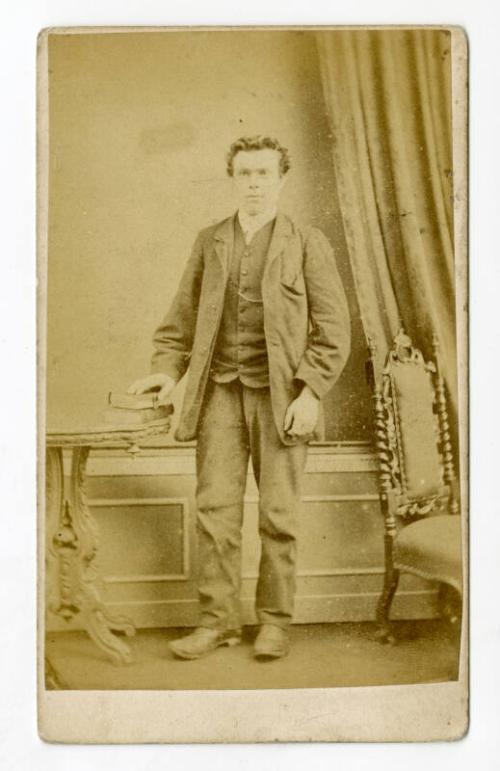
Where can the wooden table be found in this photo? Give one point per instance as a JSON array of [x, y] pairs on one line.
[[72, 579]]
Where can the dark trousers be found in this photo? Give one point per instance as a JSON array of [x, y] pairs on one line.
[[237, 423]]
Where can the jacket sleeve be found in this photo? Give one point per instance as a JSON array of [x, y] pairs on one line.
[[329, 335], [173, 339]]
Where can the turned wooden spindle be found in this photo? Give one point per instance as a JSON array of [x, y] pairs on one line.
[[444, 427]]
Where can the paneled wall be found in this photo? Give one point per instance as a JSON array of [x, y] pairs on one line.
[[145, 511]]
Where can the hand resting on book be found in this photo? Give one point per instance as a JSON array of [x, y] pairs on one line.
[[159, 382]]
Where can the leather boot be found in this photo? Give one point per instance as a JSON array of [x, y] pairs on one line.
[[271, 642], [202, 641]]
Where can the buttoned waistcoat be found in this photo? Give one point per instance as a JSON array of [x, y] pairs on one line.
[[306, 319]]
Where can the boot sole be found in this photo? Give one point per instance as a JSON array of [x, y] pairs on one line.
[[261, 656]]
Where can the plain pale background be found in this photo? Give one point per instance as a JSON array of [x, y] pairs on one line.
[[19, 745], [140, 124]]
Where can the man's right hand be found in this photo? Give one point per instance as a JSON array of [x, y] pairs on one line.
[[157, 382]]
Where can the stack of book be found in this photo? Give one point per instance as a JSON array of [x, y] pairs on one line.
[[135, 409]]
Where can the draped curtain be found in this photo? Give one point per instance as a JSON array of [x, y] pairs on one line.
[[388, 99]]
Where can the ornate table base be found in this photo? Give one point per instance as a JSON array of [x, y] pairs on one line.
[[72, 578]]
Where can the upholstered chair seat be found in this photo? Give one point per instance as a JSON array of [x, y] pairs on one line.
[[431, 548]]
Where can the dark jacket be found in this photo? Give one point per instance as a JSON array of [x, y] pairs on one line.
[[306, 318]]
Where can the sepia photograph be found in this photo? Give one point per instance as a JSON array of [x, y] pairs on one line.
[[252, 376]]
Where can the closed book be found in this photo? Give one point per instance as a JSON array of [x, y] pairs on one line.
[[147, 401], [135, 409]]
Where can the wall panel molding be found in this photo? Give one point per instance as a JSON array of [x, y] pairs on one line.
[[313, 608], [346, 458], [96, 503], [340, 487]]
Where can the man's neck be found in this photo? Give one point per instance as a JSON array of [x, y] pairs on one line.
[[256, 221], [251, 223]]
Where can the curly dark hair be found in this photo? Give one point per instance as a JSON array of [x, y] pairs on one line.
[[258, 142]]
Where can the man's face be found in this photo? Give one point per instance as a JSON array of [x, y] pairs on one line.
[[257, 180]]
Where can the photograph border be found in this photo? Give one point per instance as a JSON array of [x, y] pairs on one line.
[[396, 712]]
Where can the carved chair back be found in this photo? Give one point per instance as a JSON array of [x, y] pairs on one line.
[[412, 437]]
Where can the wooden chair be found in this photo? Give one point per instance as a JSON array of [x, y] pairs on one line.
[[417, 483]]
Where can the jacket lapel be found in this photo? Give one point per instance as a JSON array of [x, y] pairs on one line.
[[224, 239], [279, 240]]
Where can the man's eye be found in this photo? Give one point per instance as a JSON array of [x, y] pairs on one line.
[[243, 173]]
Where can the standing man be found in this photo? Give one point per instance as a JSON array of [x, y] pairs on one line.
[[261, 321]]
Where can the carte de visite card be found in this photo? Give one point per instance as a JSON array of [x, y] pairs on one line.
[[252, 337]]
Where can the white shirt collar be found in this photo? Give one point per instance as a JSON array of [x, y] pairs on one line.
[[251, 224]]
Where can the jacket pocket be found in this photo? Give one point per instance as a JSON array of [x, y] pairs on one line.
[[296, 288], [292, 276]]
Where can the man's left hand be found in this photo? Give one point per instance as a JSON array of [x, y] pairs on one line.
[[302, 414]]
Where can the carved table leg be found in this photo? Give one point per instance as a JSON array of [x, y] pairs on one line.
[[57, 554], [53, 510], [75, 544]]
